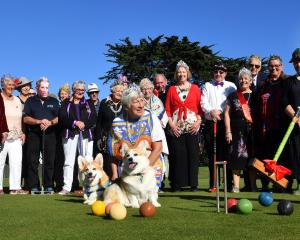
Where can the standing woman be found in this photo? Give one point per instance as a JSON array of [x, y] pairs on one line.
[[238, 126], [63, 94], [14, 138], [77, 117], [110, 108], [154, 105], [23, 85], [183, 109]]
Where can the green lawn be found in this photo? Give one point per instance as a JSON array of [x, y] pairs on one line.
[[182, 216]]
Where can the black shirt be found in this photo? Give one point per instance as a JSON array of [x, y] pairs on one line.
[[36, 109]]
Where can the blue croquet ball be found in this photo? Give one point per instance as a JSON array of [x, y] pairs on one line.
[[285, 207], [265, 199], [244, 206]]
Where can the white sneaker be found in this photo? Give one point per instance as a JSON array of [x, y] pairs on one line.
[[235, 190], [64, 192]]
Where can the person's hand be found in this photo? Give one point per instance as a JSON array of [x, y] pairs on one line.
[[175, 129], [80, 125], [215, 115], [228, 137], [4, 137], [45, 123], [22, 138], [195, 127], [298, 122]]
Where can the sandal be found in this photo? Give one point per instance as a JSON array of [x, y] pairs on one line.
[[18, 192]]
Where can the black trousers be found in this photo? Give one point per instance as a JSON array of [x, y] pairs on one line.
[[221, 151], [184, 160], [59, 161], [34, 147]]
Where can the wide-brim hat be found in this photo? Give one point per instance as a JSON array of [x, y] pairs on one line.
[[295, 55], [92, 87], [22, 81]]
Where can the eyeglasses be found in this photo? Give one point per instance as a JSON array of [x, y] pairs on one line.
[[218, 71], [79, 90], [254, 65], [275, 66]]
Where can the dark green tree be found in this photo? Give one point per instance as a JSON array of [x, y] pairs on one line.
[[161, 54]]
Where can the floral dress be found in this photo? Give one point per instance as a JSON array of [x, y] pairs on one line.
[[240, 148]]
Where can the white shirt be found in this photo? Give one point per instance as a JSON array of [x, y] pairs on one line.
[[254, 79], [214, 97]]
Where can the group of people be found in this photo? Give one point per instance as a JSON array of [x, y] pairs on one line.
[[246, 119]]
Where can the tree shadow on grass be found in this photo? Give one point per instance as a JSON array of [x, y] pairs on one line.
[[71, 200]]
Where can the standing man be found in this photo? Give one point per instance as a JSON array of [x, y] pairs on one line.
[[271, 117], [160, 83], [213, 100], [291, 102], [93, 93], [40, 115], [254, 64]]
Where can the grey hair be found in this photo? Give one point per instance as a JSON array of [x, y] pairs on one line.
[[161, 75], [41, 79], [6, 78], [146, 83], [115, 85], [244, 71], [76, 83], [132, 92], [254, 57]]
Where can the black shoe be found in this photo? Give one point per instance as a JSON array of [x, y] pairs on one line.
[[194, 189], [176, 189]]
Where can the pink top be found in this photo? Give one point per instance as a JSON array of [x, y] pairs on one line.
[[13, 113]]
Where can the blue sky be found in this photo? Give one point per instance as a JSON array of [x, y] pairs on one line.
[[65, 39]]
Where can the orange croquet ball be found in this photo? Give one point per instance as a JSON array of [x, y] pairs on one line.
[[108, 207], [147, 209], [117, 211], [98, 208]]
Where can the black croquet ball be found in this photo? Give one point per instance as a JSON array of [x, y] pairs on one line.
[[285, 207]]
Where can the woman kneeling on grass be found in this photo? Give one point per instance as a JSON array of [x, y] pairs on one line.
[[238, 125]]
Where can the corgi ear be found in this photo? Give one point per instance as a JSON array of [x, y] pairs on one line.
[[142, 146], [124, 149], [99, 159], [82, 163]]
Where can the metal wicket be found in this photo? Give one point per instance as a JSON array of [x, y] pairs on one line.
[[218, 165]]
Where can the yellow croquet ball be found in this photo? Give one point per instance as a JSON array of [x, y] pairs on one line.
[[118, 211], [98, 208]]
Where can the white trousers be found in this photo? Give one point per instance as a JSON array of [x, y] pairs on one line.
[[14, 150], [70, 148]]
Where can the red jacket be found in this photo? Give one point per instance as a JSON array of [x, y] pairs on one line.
[[191, 102], [3, 123]]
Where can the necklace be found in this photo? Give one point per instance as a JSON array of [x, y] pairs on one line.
[[112, 106], [130, 131], [6, 97]]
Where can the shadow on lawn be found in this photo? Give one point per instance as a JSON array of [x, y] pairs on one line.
[[72, 200]]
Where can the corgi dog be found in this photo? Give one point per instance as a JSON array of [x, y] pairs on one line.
[[95, 180], [137, 183]]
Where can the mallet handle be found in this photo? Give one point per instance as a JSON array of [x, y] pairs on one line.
[[286, 136]]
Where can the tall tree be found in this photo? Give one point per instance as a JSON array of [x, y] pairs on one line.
[[161, 54]]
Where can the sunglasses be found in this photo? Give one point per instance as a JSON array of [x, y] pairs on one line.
[[254, 65], [218, 71], [91, 93], [275, 66]]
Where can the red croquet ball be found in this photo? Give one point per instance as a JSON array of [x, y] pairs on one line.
[[231, 205], [147, 209]]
